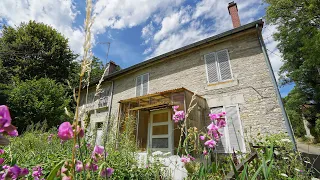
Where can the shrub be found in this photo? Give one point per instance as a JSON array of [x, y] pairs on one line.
[[34, 101]]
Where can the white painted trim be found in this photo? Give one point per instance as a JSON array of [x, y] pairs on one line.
[[241, 130], [169, 135]]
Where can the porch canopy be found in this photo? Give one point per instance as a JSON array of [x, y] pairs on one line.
[[143, 107]]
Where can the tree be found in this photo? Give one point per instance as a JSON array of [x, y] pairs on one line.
[[299, 42], [35, 50], [34, 101]]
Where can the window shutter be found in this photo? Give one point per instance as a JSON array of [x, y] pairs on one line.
[[224, 65], [235, 129], [145, 80], [138, 85], [222, 144], [211, 65]]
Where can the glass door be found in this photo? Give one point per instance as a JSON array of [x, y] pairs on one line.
[[161, 134]]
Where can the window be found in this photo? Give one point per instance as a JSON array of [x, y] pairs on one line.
[[218, 66], [232, 138], [142, 84]]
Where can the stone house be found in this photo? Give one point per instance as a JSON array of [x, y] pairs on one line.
[[227, 72]]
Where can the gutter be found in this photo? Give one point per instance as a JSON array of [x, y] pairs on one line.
[[275, 85]]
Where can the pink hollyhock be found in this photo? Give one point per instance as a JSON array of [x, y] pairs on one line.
[[107, 172], [1, 151], [79, 166], [66, 178], [5, 122], [210, 143], [14, 172], [91, 167], [205, 152], [1, 161], [191, 158], [213, 117], [185, 159], [212, 127], [202, 138], [37, 172], [175, 108], [178, 116], [221, 123], [80, 131], [65, 131], [98, 149]]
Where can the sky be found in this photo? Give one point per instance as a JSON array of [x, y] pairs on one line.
[[140, 29]]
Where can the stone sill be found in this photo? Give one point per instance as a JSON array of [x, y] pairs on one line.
[[224, 84]]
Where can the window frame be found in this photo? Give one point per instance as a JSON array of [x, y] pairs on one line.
[[226, 129], [141, 85], [218, 67]]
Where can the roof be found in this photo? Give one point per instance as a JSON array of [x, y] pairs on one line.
[[188, 47]]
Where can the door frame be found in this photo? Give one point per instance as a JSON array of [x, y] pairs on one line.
[[170, 134]]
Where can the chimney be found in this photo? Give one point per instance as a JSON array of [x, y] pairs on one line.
[[233, 11], [112, 68]]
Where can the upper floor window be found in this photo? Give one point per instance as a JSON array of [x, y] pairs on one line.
[[142, 84], [218, 66]]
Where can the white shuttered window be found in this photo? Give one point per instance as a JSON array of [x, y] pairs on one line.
[[232, 138], [218, 66], [142, 84]]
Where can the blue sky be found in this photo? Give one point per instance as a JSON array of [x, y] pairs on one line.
[[140, 29]]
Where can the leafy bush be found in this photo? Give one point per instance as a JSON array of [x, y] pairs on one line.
[[34, 101]]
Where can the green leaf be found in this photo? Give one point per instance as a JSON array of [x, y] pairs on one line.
[[54, 171]]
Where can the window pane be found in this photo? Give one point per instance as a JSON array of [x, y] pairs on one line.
[[161, 117], [160, 143], [158, 130]]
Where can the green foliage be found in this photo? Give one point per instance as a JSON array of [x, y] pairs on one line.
[[299, 42], [35, 101], [35, 50]]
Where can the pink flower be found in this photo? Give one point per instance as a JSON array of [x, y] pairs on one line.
[[5, 118], [175, 108], [185, 159], [1, 151], [98, 149], [1, 161], [106, 172], [37, 172], [191, 158], [76, 146], [14, 172], [178, 116], [80, 132], [202, 138], [92, 167], [79, 166], [66, 178], [65, 131], [97, 152], [5, 122], [210, 143], [212, 127], [13, 133], [213, 117], [205, 152], [221, 123]]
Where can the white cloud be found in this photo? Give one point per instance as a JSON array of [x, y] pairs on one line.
[[126, 13], [60, 14]]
